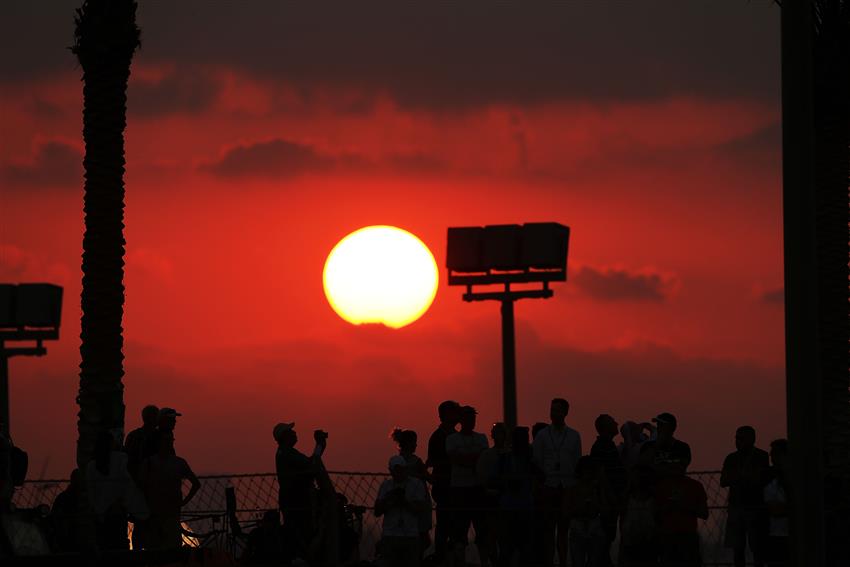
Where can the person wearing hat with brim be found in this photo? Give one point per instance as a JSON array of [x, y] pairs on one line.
[[401, 501], [666, 454], [296, 477]]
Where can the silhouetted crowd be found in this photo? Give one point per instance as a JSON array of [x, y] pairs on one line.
[[532, 496], [139, 480], [527, 496]]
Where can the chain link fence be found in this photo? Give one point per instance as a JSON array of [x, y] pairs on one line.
[[207, 523]]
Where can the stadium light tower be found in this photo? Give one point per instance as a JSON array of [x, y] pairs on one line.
[[28, 312], [533, 253]]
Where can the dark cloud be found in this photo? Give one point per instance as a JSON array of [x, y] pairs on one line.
[[774, 296], [763, 147], [55, 164], [449, 54], [284, 159], [614, 285], [274, 158], [186, 90]]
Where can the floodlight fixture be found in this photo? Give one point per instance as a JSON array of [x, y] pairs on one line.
[[503, 255], [28, 312]]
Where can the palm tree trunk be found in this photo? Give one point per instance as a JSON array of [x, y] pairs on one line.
[[106, 38]]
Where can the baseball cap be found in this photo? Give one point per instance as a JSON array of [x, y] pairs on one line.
[[665, 417], [282, 428], [169, 412], [397, 461]]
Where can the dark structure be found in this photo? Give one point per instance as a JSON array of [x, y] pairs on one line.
[[106, 37], [28, 312], [816, 165], [533, 253]]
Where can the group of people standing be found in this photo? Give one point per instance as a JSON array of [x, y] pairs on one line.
[[139, 479], [528, 499]]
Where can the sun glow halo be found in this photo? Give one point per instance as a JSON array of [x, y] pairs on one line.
[[380, 274]]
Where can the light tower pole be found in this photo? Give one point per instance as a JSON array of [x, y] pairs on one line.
[[28, 312], [533, 253]]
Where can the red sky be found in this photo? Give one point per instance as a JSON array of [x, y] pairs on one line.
[[259, 136]]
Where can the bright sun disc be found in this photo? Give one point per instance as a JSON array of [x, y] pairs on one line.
[[380, 274]]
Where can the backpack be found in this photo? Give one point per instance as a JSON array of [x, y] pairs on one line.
[[18, 465]]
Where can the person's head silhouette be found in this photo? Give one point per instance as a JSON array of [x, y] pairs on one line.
[[745, 438], [150, 414], [779, 453], [667, 424], [499, 434], [606, 426], [558, 411], [406, 439], [449, 412], [284, 434], [467, 418], [167, 419]]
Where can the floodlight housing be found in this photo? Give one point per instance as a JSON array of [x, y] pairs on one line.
[[532, 252], [30, 311]]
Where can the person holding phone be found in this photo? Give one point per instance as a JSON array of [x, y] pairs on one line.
[[296, 476]]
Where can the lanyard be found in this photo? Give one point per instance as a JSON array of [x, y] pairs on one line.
[[560, 444]]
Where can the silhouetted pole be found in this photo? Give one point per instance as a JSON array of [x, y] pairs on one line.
[[4, 390], [803, 375], [533, 253], [509, 401]]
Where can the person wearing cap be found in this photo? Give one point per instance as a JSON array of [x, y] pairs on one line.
[[464, 448], [557, 449], [167, 419], [666, 454], [296, 478], [401, 501]]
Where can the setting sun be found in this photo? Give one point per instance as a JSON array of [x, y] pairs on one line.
[[380, 274]]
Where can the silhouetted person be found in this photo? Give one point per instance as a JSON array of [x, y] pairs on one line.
[[557, 449], [65, 513], [407, 441], [467, 495], [162, 477], [265, 543], [137, 440], [634, 436], [666, 454], [638, 545], [776, 500], [441, 472], [7, 486], [296, 477], [606, 454], [166, 420], [744, 474], [487, 469], [587, 504], [110, 489], [679, 502], [401, 501], [516, 474]]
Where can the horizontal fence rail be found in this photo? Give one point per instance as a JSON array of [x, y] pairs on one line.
[[206, 522]]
